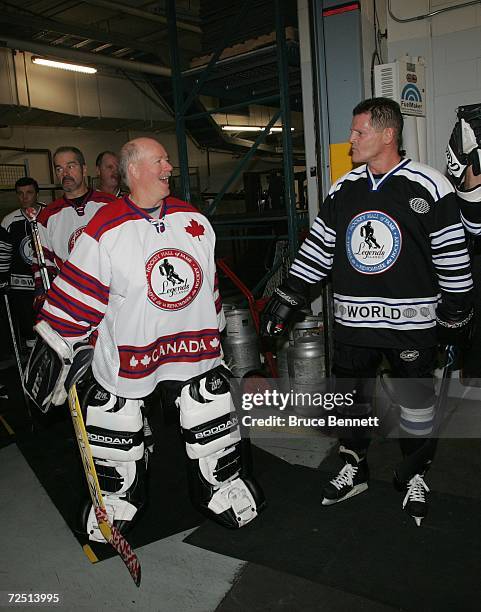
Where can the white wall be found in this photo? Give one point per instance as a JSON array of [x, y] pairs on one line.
[[102, 95], [450, 43]]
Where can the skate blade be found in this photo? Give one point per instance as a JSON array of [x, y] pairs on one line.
[[360, 488]]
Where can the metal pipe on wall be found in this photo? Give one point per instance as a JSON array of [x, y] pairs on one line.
[[431, 14]]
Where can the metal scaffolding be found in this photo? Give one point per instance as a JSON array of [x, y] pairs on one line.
[[183, 103]]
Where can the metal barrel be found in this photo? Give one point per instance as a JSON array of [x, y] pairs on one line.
[[312, 325], [240, 343], [282, 344], [306, 366]]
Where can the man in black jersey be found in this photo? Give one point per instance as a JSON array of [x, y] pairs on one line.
[[16, 257], [394, 302]]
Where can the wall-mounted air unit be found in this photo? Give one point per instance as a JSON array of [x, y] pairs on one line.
[[403, 81]]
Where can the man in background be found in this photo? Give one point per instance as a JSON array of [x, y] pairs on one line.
[[107, 164], [16, 256]]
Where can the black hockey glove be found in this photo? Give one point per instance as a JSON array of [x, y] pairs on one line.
[[4, 287], [454, 326], [285, 301], [464, 147], [53, 367]]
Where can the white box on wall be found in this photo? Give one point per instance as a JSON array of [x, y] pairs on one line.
[[404, 81]]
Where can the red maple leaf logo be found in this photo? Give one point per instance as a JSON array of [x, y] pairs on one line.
[[195, 229]]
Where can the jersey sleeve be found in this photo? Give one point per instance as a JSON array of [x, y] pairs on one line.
[[470, 204], [314, 259], [77, 301], [449, 253]]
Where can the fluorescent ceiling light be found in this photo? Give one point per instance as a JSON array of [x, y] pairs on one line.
[[63, 65], [249, 128]]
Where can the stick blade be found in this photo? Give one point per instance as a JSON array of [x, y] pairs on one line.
[[120, 544], [127, 555]]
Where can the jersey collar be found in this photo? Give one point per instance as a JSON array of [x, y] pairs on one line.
[[376, 184]]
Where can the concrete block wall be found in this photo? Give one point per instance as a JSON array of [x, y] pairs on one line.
[[450, 43]]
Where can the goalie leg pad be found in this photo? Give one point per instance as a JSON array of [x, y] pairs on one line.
[[220, 485], [115, 429]]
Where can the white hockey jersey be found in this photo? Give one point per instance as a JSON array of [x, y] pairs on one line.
[[59, 226], [148, 290]]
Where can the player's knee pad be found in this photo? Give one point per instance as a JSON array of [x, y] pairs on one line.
[[220, 484], [416, 400], [115, 429]]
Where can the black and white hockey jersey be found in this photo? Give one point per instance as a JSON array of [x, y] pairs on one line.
[[470, 205], [147, 289], [394, 246], [17, 259]]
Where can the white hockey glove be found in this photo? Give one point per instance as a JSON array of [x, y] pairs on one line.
[[464, 147], [53, 367]]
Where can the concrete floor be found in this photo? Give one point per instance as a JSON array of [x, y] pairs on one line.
[[39, 554]]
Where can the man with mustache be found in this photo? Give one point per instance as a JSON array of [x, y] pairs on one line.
[[64, 219]]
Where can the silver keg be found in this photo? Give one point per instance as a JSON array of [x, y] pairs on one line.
[[307, 371], [312, 325], [282, 344], [240, 343]]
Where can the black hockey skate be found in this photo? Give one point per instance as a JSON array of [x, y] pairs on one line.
[[415, 502], [351, 480]]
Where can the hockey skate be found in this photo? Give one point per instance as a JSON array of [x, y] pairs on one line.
[[351, 480], [415, 502]]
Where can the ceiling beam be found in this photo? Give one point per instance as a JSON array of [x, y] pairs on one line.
[[124, 8], [43, 23]]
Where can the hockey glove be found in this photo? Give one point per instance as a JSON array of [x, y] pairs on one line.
[[284, 302], [4, 287], [464, 147], [454, 326], [53, 367]]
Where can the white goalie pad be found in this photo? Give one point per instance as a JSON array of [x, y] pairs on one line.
[[220, 484], [115, 429], [53, 367], [118, 510], [209, 426], [236, 498]]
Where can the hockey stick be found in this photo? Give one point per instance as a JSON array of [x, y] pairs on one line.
[[111, 533], [439, 409], [37, 245], [17, 355]]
